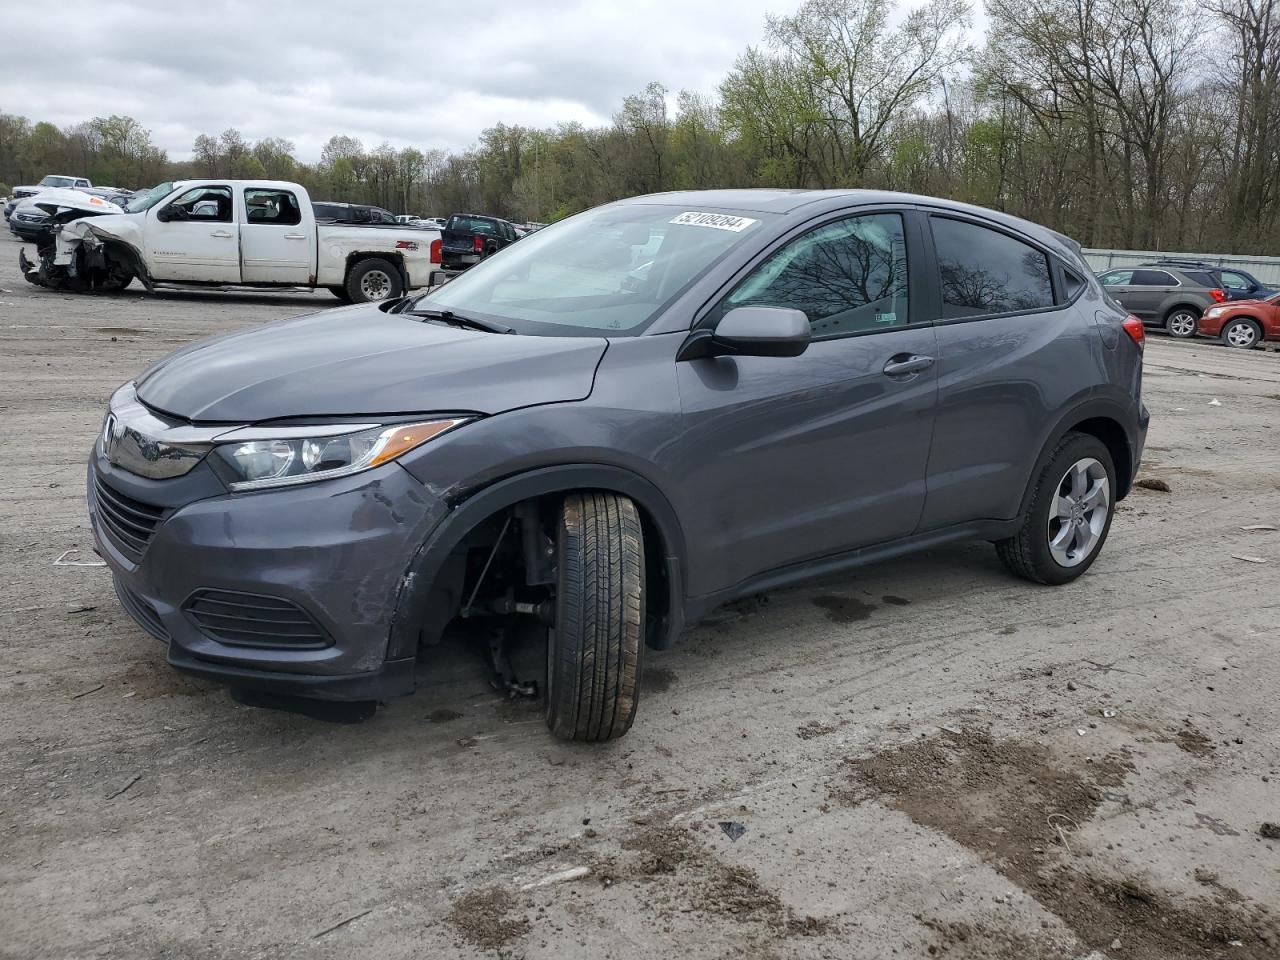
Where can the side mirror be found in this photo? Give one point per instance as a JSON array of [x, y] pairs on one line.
[[171, 212], [751, 332]]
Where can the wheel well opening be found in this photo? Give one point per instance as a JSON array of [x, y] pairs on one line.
[[1182, 306], [1113, 435], [396, 259], [506, 560]]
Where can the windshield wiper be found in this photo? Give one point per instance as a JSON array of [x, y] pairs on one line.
[[457, 320]]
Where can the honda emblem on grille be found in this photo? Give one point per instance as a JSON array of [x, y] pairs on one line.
[[110, 437]]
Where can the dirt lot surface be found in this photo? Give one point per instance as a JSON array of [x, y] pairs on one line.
[[925, 758]]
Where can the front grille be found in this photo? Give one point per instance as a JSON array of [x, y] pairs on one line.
[[141, 611], [31, 218], [251, 620], [129, 523]]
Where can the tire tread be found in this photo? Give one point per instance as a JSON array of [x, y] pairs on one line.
[[598, 638]]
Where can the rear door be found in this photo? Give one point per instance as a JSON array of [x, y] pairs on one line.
[[1011, 355], [193, 237], [275, 244], [1148, 292], [786, 459]]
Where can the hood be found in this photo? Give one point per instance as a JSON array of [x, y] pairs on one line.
[[362, 361], [55, 201], [1262, 301]]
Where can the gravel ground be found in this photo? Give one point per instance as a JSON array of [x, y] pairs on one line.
[[923, 758]]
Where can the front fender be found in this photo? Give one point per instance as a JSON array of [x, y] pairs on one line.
[[414, 599]]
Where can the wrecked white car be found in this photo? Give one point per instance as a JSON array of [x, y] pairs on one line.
[[225, 233]]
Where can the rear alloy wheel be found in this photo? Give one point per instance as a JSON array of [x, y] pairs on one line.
[[593, 651], [1181, 323], [1069, 514], [370, 281], [1242, 334]]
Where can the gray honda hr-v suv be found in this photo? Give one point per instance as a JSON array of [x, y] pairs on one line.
[[601, 433]]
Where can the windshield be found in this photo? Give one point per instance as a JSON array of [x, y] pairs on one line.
[[608, 271], [148, 199], [52, 181]]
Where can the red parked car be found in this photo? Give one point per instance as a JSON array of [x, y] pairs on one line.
[[1243, 323]]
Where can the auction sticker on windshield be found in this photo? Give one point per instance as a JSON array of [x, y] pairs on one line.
[[718, 221]]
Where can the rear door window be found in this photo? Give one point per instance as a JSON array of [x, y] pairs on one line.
[[984, 272], [1153, 278], [277, 207]]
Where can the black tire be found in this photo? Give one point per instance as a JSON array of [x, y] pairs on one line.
[[1181, 323], [594, 649], [1234, 333], [366, 275], [1027, 553], [340, 293], [115, 284]]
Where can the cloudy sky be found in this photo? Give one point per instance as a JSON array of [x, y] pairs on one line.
[[412, 72]]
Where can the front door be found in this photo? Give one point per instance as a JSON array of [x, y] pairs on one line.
[[273, 246], [193, 237], [790, 459], [1118, 284]]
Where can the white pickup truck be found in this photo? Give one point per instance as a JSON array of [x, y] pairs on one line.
[[256, 233]]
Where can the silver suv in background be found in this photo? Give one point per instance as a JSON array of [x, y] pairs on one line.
[[1164, 296]]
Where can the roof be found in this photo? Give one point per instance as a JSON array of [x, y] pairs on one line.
[[784, 202]]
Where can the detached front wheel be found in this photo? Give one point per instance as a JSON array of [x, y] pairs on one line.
[[593, 651]]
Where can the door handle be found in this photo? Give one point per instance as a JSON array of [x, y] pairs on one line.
[[295, 236], [222, 234], [905, 364]]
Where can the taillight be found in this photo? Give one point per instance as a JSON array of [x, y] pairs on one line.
[[1219, 296], [1136, 331], [436, 246], [478, 243]]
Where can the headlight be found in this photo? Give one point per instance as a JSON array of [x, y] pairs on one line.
[[1215, 312], [264, 459]]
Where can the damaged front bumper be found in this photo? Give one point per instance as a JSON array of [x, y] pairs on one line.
[[87, 247], [81, 260]]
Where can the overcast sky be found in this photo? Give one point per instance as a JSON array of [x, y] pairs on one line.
[[418, 72]]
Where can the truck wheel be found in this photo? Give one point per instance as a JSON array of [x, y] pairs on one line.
[[1069, 514], [340, 293], [593, 651], [374, 279]]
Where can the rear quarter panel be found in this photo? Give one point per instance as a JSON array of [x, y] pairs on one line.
[[336, 243]]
